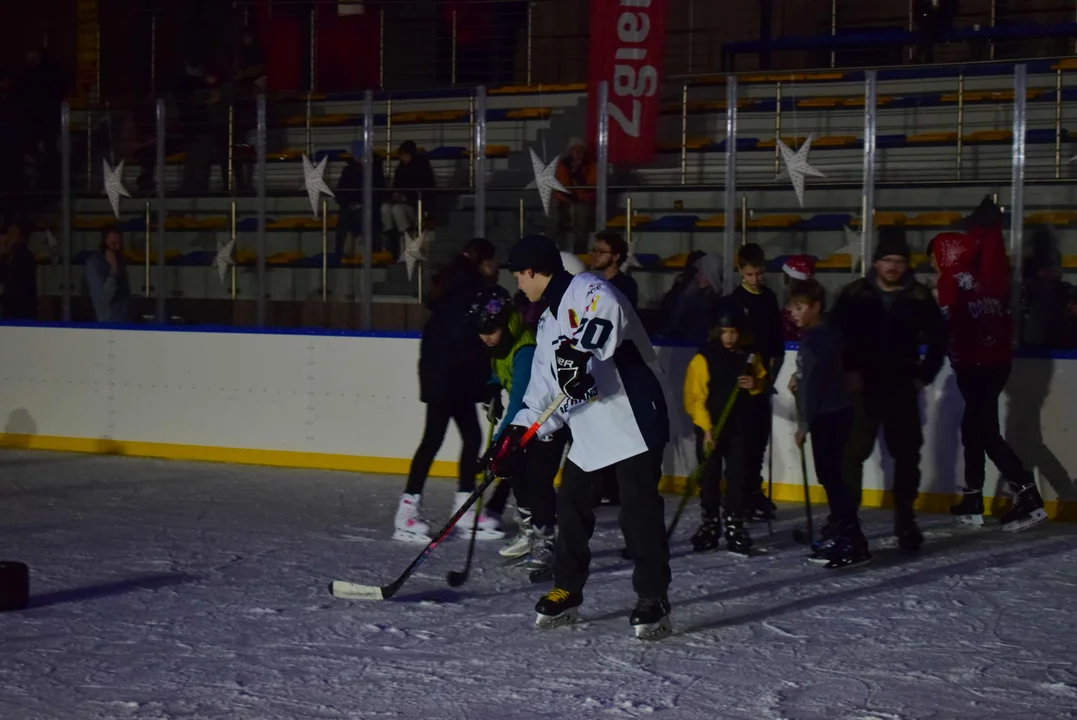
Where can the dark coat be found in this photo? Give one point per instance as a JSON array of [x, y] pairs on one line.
[[453, 362]]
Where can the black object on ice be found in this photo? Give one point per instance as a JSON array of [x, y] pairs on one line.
[[14, 586]]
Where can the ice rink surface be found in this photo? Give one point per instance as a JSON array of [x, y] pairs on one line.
[[181, 590]]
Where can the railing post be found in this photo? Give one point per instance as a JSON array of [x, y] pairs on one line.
[[368, 209], [1017, 193], [65, 207], [684, 133], [603, 170], [867, 224], [530, 31], [162, 214], [260, 189], [479, 160], [730, 182]]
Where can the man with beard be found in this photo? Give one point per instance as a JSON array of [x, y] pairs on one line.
[[512, 349], [608, 254], [883, 319]]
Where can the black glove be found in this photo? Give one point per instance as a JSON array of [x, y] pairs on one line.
[[492, 403], [572, 373], [506, 456]]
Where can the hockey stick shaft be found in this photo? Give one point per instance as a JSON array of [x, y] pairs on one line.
[[716, 432], [460, 577], [372, 592]]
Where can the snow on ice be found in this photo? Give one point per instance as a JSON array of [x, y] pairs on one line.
[[176, 590]]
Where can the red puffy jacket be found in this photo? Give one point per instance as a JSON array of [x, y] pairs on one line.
[[974, 294]]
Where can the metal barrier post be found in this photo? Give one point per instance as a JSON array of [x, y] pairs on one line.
[[368, 208], [479, 160], [65, 207], [730, 181], [162, 214], [602, 191], [867, 224], [684, 133], [260, 189], [1017, 199]]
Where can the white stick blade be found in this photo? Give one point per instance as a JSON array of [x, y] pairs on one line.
[[354, 591]]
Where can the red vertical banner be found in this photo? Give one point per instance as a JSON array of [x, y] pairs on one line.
[[627, 48]]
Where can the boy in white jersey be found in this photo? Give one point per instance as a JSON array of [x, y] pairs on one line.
[[592, 347]]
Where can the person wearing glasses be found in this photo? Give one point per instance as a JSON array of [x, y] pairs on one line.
[[608, 254]]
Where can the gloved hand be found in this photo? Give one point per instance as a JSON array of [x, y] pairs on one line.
[[572, 373], [506, 456], [493, 404]]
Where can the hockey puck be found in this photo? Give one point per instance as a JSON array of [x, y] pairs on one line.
[[457, 578], [14, 586]]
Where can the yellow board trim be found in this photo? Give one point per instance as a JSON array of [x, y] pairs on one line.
[[927, 502]]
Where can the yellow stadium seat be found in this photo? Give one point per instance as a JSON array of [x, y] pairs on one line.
[[213, 223], [836, 141], [791, 142], [932, 137], [882, 219], [820, 102], [246, 257], [840, 261], [936, 218], [714, 221], [529, 114], [988, 136], [621, 221], [1069, 262], [774, 221], [284, 258], [1051, 217]]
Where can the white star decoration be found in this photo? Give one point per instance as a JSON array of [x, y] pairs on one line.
[[951, 252], [54, 246], [965, 281], [224, 257], [852, 247], [114, 186], [414, 251], [630, 259], [796, 164], [545, 179], [314, 182]]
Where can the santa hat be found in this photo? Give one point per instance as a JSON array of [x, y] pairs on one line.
[[799, 267]]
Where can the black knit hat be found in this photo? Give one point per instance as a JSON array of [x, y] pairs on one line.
[[727, 314], [537, 253], [891, 242]]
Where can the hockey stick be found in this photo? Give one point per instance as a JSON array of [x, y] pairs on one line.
[[355, 591], [799, 536], [695, 477], [770, 474], [457, 578]]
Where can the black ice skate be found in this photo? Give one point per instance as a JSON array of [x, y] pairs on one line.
[[907, 532], [558, 607], [821, 548], [761, 509], [737, 539], [1027, 510], [706, 537], [650, 618], [970, 511], [848, 547]]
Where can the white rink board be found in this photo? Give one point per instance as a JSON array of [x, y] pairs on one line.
[[358, 396]]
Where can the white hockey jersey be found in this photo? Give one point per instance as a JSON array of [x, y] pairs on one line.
[[626, 412]]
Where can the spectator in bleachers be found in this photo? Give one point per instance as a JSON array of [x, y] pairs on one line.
[[349, 194], [41, 90], [689, 306], [106, 278], [608, 253], [795, 267], [18, 273], [934, 18], [412, 181], [196, 93], [574, 212], [14, 142]]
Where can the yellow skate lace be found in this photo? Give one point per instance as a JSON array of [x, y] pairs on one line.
[[558, 595]]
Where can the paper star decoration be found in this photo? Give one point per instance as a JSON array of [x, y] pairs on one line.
[[114, 186], [630, 259], [224, 258], [545, 180], [852, 247], [413, 251], [796, 164], [965, 280], [314, 182], [54, 246]]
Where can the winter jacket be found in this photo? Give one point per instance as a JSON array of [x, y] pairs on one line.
[[453, 361], [513, 371], [820, 376], [764, 325], [628, 287], [18, 273], [416, 176], [882, 345], [111, 294], [974, 295], [710, 380]]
